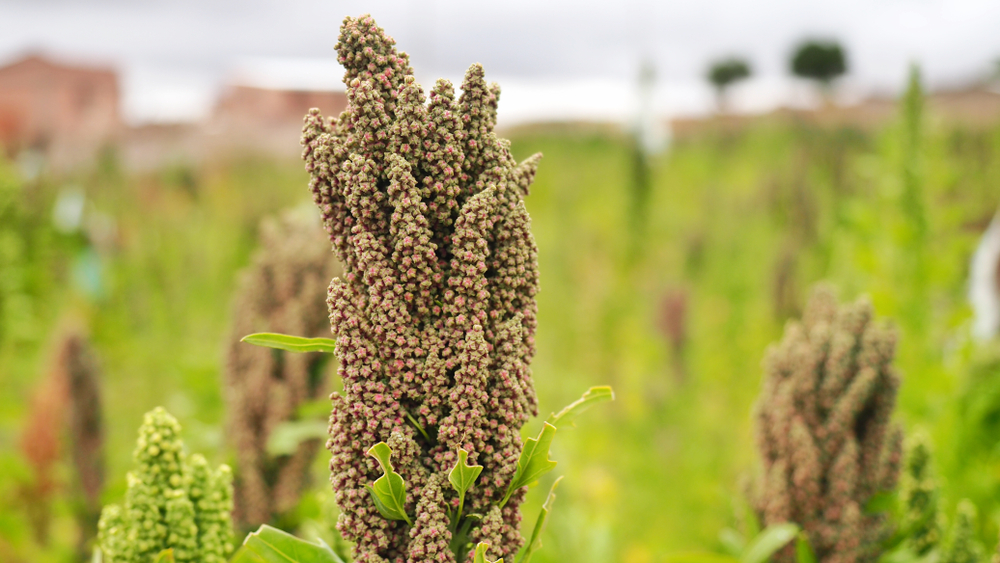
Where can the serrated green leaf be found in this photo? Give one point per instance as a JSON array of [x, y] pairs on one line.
[[271, 545], [290, 343], [389, 490], [593, 396], [165, 556], [803, 550], [773, 538], [543, 516], [287, 435], [480, 556], [463, 475], [534, 461]]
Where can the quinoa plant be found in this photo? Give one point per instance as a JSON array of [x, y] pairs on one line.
[[922, 519], [435, 316], [283, 289], [962, 546], [174, 502], [824, 431]]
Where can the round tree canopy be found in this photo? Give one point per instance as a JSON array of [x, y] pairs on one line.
[[724, 72], [818, 60]]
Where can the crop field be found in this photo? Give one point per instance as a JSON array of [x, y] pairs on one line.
[[670, 291]]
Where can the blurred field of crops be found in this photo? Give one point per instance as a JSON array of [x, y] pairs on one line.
[[675, 314]]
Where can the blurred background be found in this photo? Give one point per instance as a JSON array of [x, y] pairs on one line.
[[705, 164]]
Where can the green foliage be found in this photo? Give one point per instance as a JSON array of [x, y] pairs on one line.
[[919, 493], [173, 502], [480, 555], [271, 545], [591, 397], [534, 461], [287, 435], [535, 542], [291, 343], [822, 61], [803, 549], [769, 541], [760, 548], [17, 315], [726, 209], [462, 477], [962, 545], [389, 490]]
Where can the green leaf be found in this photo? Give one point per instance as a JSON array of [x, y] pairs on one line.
[[536, 534], [733, 542], [271, 545], [287, 435], [773, 538], [803, 550], [165, 556], [593, 396], [463, 475], [290, 343], [389, 490], [750, 521], [416, 425], [480, 556], [534, 461]]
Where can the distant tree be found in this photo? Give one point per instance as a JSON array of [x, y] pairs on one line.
[[822, 61], [724, 73]]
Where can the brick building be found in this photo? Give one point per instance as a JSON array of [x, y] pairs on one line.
[[66, 112], [265, 100]]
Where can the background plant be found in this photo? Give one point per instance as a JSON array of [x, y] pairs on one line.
[[174, 502], [922, 518], [284, 289], [824, 433], [724, 73], [822, 61]]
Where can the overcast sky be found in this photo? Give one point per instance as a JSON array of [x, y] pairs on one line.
[[175, 54]]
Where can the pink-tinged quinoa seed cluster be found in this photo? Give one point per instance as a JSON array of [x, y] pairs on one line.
[[435, 315], [824, 429]]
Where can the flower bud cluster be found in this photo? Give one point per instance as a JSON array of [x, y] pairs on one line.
[[824, 430], [283, 290], [435, 315], [172, 501]]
